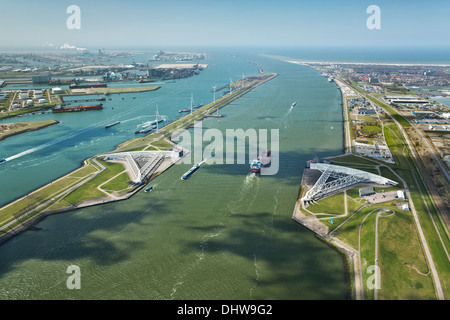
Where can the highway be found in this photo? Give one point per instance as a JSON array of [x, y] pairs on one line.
[[348, 140]]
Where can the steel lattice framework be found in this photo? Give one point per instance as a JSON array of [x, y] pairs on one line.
[[152, 158], [342, 177]]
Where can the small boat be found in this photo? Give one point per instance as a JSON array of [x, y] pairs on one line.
[[145, 130], [294, 104], [2, 160], [112, 124], [184, 110], [150, 188]]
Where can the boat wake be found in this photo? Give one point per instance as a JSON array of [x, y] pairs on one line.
[[204, 243], [43, 146], [174, 288], [292, 107], [290, 110], [73, 134], [246, 195], [194, 265]]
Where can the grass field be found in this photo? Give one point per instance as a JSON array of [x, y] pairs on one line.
[[11, 129], [120, 183], [408, 277], [33, 199], [354, 160], [400, 241], [89, 190], [375, 129], [330, 205]]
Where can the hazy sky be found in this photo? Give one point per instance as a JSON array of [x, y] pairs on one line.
[[149, 23]]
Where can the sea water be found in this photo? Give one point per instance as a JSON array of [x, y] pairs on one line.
[[221, 234]]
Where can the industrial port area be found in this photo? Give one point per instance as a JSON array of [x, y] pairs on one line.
[[28, 90]]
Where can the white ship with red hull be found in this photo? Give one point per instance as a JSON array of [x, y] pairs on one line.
[[262, 161]]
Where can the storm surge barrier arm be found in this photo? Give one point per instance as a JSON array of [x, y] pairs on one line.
[[344, 177]]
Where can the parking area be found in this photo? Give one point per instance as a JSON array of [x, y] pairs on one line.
[[382, 197]]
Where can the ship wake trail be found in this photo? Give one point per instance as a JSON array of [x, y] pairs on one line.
[[247, 194], [268, 227], [290, 110], [68, 136], [174, 289], [42, 146], [194, 265]]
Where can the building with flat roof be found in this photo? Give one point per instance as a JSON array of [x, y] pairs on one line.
[[418, 113], [366, 111], [23, 95], [57, 91], [38, 94], [41, 79], [366, 191], [405, 99]]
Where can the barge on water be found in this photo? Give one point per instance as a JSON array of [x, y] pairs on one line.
[[112, 125], [78, 108], [88, 86], [190, 172]]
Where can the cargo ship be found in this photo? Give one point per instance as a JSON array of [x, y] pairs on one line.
[[190, 172], [145, 81], [262, 161], [112, 124], [87, 86], [78, 108]]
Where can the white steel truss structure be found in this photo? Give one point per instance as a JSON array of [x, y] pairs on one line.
[[342, 177], [141, 163]]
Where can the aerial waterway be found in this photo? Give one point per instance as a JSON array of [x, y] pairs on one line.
[[223, 234]]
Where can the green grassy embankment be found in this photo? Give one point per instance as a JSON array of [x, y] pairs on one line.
[[15, 128]]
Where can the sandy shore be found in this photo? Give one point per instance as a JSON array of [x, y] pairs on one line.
[[308, 63]]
